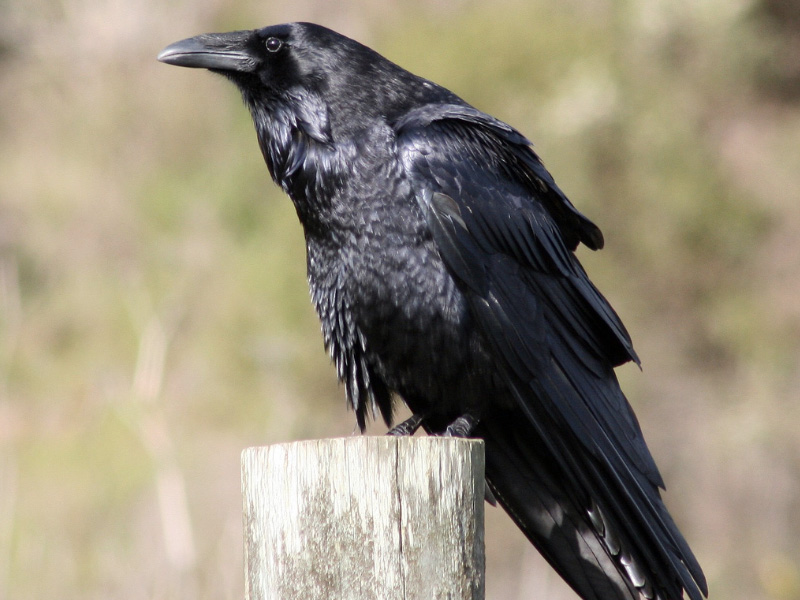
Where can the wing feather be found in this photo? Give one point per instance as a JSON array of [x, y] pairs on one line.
[[507, 234]]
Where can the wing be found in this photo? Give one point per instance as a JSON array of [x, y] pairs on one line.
[[506, 232], [506, 245]]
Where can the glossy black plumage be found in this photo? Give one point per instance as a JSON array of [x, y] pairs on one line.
[[440, 261]]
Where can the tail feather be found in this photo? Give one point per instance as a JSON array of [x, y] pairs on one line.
[[595, 536], [531, 490]]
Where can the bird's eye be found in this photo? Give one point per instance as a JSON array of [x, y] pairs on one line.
[[273, 44]]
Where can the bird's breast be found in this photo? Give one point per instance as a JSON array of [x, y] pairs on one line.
[[387, 298]]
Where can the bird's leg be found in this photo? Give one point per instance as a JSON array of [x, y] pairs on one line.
[[407, 427], [462, 427]]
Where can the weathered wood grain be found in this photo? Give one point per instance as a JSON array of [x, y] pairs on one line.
[[364, 518]]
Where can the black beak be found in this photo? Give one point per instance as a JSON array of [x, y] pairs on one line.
[[215, 51]]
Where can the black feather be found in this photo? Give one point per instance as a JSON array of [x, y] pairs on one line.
[[440, 256]]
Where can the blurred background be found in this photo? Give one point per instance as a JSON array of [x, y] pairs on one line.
[[154, 316]]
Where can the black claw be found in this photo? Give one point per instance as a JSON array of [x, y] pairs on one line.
[[407, 427], [462, 427]]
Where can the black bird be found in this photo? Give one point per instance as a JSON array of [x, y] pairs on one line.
[[441, 262]]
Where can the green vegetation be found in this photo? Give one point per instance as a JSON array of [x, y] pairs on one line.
[[154, 316]]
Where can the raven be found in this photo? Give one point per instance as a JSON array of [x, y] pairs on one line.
[[440, 256]]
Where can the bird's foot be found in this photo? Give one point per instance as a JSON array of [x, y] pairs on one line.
[[407, 427], [462, 427]]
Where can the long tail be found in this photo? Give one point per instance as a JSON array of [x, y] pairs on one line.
[[603, 543]]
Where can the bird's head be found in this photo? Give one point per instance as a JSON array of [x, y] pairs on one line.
[[272, 60], [307, 67], [286, 74]]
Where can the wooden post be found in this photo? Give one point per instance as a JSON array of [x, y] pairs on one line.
[[378, 518]]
